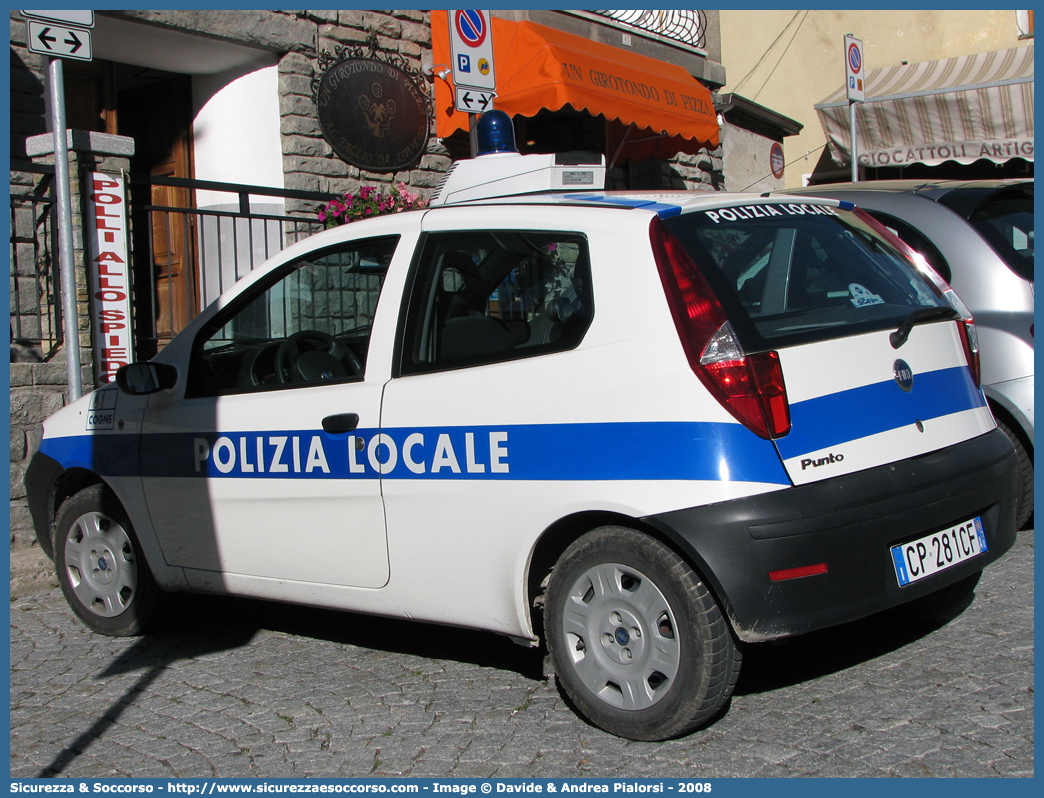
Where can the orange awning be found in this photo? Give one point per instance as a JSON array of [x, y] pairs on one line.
[[538, 68]]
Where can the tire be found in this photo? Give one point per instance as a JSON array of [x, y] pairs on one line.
[[100, 567], [1024, 504], [638, 643]]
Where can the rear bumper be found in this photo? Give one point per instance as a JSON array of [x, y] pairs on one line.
[[850, 523]]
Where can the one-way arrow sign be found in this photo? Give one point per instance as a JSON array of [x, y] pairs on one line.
[[473, 101], [59, 42]]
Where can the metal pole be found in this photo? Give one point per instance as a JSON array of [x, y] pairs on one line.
[[66, 267], [855, 143]]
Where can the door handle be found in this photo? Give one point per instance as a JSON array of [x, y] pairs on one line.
[[342, 422]]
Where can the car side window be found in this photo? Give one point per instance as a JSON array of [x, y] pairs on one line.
[[309, 323], [917, 241], [490, 296], [1006, 222]]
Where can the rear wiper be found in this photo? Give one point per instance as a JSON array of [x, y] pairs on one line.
[[898, 338]]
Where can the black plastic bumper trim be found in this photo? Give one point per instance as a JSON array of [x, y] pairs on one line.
[[850, 523], [40, 478]]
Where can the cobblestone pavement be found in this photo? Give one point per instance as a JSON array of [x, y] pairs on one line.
[[243, 688]]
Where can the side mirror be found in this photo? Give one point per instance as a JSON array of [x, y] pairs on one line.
[[140, 379]]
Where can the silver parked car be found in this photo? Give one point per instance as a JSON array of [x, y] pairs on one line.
[[978, 234]]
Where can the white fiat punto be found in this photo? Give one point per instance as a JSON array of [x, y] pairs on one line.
[[642, 429]]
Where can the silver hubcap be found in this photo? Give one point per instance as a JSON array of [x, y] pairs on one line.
[[99, 560], [620, 634]]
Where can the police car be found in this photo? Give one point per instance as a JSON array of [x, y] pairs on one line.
[[640, 428]]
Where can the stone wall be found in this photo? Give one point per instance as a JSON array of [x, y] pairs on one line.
[[309, 162], [702, 172], [748, 156], [28, 111]]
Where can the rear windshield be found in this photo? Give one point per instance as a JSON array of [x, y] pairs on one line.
[[798, 272]]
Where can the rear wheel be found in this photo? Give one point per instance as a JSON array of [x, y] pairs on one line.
[[1024, 505], [637, 641], [100, 566]]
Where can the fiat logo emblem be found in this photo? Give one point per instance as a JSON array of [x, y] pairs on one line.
[[903, 375]]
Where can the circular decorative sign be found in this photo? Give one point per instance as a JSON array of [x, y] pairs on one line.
[[373, 114]]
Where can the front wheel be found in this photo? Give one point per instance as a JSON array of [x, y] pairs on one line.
[[637, 641], [100, 566]]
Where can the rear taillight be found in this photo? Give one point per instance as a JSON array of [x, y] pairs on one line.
[[970, 339], [748, 386]]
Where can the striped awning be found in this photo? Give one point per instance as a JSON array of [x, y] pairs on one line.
[[960, 109]]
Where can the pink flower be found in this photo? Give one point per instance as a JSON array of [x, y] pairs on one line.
[[369, 201]]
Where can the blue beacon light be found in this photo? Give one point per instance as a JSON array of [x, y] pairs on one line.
[[495, 133]]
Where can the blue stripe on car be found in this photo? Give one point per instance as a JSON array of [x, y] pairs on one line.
[[876, 408], [554, 452]]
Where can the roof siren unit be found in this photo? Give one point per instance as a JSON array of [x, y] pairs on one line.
[[495, 133], [500, 171]]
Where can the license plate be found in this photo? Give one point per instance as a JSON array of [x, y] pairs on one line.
[[937, 552]]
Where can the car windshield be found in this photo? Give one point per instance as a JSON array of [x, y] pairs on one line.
[[797, 272], [1005, 220]]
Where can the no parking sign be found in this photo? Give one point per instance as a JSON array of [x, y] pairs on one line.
[[471, 45], [854, 68]]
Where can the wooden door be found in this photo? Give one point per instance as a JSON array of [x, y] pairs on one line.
[[158, 116], [173, 248]]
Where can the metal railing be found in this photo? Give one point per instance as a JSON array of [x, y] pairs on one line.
[[36, 328], [186, 256], [183, 256], [686, 27]]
